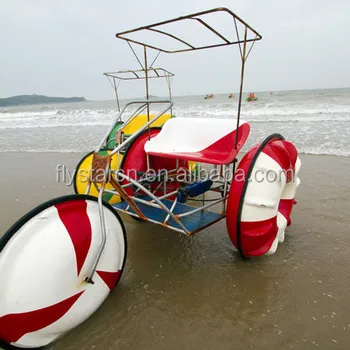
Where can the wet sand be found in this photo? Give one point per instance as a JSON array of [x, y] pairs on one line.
[[196, 293]]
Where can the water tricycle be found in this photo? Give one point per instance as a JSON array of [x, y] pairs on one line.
[[59, 262], [209, 96], [231, 95], [251, 98]]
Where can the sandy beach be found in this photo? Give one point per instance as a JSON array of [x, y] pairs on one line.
[[197, 293]]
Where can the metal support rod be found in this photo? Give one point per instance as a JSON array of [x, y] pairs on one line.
[[169, 87], [87, 190], [135, 55], [200, 208], [151, 66], [237, 33], [151, 195], [116, 94], [128, 199], [136, 134], [241, 85], [150, 204], [171, 209], [168, 81], [139, 131], [103, 231], [137, 112], [225, 169], [251, 47], [119, 117], [153, 221], [166, 195], [147, 87]]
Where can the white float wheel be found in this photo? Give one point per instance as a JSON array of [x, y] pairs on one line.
[[245, 186], [259, 211], [44, 260]]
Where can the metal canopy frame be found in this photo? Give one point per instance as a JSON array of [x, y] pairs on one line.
[[196, 17], [199, 17], [138, 74]]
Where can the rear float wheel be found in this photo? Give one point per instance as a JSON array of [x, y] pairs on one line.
[[259, 207], [45, 258]]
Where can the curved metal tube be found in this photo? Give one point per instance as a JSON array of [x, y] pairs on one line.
[[149, 193], [103, 231]]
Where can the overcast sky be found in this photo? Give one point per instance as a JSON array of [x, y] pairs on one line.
[[61, 48]]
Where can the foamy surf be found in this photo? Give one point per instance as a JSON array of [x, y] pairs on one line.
[[318, 122]]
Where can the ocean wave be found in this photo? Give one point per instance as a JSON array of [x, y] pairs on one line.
[[301, 149], [323, 151], [301, 119], [58, 113], [43, 150], [259, 113], [95, 117], [296, 111], [26, 114], [318, 126], [269, 118], [107, 122], [57, 125]]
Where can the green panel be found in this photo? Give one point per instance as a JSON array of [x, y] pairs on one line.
[[111, 137]]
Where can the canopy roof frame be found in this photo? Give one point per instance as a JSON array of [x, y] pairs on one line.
[[191, 47], [116, 77], [198, 17], [135, 74]]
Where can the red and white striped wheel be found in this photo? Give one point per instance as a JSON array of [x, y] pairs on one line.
[[44, 260], [259, 207]]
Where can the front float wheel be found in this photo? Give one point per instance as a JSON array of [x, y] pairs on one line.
[[44, 260]]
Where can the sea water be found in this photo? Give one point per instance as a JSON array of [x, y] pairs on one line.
[[316, 121]]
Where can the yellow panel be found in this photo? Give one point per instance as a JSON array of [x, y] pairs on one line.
[[83, 173], [141, 120]]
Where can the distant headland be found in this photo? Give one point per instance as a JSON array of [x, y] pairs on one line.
[[37, 99]]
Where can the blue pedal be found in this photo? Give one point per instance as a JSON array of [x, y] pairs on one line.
[[193, 190]]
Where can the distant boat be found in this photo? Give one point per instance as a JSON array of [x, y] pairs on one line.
[[251, 97]]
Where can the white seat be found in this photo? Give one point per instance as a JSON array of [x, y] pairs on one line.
[[199, 139]]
